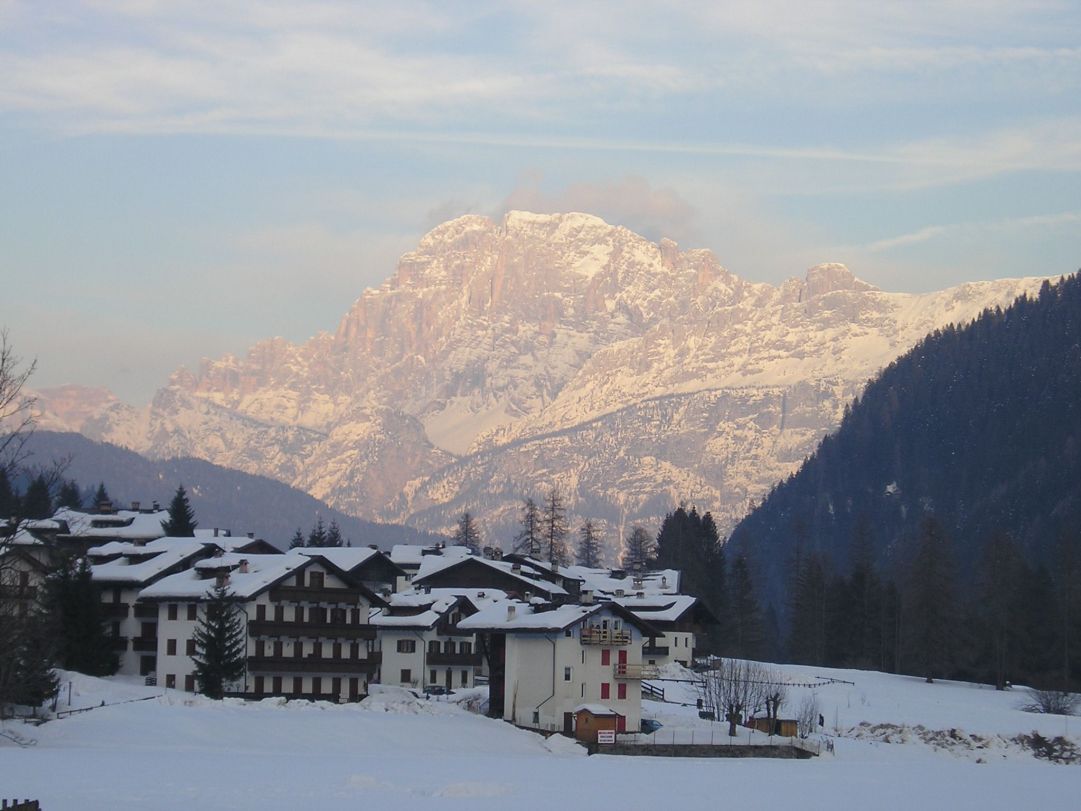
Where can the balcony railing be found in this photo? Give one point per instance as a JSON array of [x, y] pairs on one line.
[[146, 611], [119, 643], [604, 636], [333, 630], [308, 594], [461, 659], [309, 664], [146, 644], [114, 610], [635, 672], [654, 650]]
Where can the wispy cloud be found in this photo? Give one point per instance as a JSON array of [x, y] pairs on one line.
[[933, 232]]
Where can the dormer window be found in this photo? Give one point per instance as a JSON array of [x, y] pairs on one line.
[[315, 580]]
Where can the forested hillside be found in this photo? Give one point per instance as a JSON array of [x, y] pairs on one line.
[[965, 449]]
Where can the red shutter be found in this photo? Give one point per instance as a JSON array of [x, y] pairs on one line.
[[606, 690], [623, 657], [606, 657], [621, 690]]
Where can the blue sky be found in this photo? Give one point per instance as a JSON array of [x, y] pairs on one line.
[[180, 179]]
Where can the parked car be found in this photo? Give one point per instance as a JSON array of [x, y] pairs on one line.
[[437, 690], [649, 725]]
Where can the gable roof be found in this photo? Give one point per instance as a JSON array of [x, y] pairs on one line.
[[435, 565], [539, 617]]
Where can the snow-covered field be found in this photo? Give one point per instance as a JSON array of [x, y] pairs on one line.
[[393, 751]]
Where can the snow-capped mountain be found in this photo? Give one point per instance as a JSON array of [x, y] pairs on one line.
[[506, 357]]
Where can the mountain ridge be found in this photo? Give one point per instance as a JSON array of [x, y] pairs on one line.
[[500, 342]]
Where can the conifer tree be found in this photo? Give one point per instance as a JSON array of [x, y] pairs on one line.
[[297, 539], [930, 594], [637, 549], [219, 643], [334, 535], [528, 539], [554, 528], [181, 522], [70, 496], [9, 500], [101, 496], [38, 501], [318, 535], [34, 678], [74, 601], [466, 533], [589, 545], [747, 635]]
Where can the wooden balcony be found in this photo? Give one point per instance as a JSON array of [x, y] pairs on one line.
[[146, 611], [654, 650], [309, 664], [316, 630], [307, 594], [605, 637], [636, 672], [145, 644], [114, 611], [458, 659]]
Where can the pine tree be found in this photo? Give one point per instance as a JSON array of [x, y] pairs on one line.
[[318, 535], [38, 502], [70, 496], [334, 535], [9, 501], [528, 539], [219, 643], [554, 529], [930, 593], [466, 534], [101, 496], [589, 546], [638, 549], [74, 601], [34, 678], [297, 539], [747, 631], [181, 523]]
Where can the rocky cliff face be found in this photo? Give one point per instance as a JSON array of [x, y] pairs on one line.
[[506, 357]]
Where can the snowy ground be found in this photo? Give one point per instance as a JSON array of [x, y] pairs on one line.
[[393, 751]]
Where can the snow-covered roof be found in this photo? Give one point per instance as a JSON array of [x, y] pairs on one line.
[[433, 564], [658, 608], [412, 555], [515, 615], [21, 537], [263, 571], [344, 557], [141, 564], [608, 581], [596, 709], [121, 524]]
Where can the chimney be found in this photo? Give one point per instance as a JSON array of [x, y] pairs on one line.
[[640, 595], [586, 597], [373, 546], [135, 506], [251, 535], [244, 566], [215, 532], [516, 568], [156, 507], [664, 581], [511, 611], [221, 580], [620, 593]]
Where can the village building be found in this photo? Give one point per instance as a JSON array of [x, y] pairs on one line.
[[366, 564], [423, 646], [474, 571], [121, 570], [306, 619], [547, 660], [681, 619]]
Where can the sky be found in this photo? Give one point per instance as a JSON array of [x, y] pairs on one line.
[[181, 179]]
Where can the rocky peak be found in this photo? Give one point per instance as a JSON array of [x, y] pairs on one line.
[[829, 277]]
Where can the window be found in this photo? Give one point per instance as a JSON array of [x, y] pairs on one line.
[[536, 716], [466, 647], [433, 646], [170, 680], [354, 650], [336, 651], [407, 676], [606, 657], [260, 648], [259, 684], [260, 614], [407, 646], [189, 647], [315, 580], [193, 612], [172, 611], [298, 684], [606, 690], [354, 616], [279, 613], [170, 647], [583, 689], [569, 632], [432, 677], [465, 678], [278, 648], [276, 685], [317, 685], [621, 690], [448, 647], [298, 649], [566, 674], [189, 683], [317, 650]]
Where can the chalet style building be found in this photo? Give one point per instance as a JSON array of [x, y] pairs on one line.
[[547, 660], [681, 619], [472, 571], [308, 634]]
